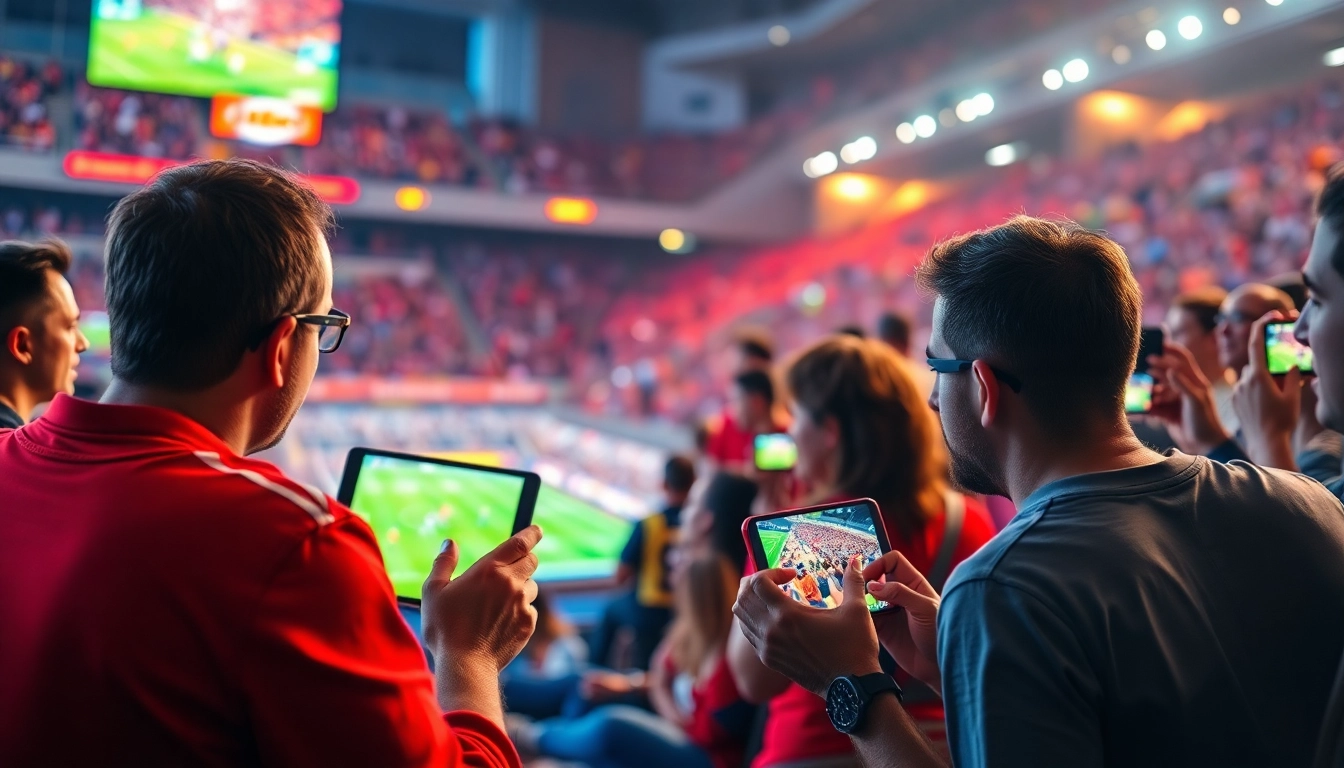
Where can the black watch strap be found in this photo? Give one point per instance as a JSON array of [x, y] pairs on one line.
[[878, 682]]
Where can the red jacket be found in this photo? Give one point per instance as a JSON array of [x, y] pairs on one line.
[[166, 602]]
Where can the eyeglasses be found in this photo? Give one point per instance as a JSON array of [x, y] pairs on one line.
[[330, 329], [948, 365], [1234, 317]]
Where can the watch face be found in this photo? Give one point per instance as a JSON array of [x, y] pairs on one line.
[[844, 705]]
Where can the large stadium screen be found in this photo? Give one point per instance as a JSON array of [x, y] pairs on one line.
[[413, 506], [286, 49]]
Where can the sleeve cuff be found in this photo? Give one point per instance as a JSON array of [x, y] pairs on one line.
[[483, 744]]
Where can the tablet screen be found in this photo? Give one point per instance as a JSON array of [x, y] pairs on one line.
[[412, 505], [818, 544]]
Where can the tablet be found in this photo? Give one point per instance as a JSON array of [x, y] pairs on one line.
[[413, 503]]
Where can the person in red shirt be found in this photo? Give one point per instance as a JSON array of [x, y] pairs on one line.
[[724, 431], [863, 430], [166, 601], [752, 411]]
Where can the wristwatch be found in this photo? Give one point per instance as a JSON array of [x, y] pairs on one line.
[[848, 697]]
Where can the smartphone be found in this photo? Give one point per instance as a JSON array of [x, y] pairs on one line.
[[1283, 351], [1139, 393], [818, 543], [775, 452], [1151, 342]]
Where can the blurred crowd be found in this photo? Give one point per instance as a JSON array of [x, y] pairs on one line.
[[24, 118]]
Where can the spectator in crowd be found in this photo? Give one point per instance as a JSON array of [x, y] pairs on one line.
[[893, 328], [39, 320], [1242, 307], [644, 570], [546, 675], [714, 520], [1193, 321], [210, 608], [699, 719], [1082, 633], [752, 351], [862, 431], [752, 407]]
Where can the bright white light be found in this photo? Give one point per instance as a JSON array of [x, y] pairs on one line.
[[1190, 27], [966, 111], [859, 150], [1004, 154], [1052, 79], [984, 103], [1157, 40], [906, 133], [1075, 71], [821, 165], [1334, 58], [925, 126], [814, 295], [1275, 2], [779, 35], [1232, 16], [1121, 54]]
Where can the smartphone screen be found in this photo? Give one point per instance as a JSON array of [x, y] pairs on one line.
[[1152, 342], [775, 453], [817, 543], [1283, 350], [1139, 393]]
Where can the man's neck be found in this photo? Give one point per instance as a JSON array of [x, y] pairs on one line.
[[1031, 467], [228, 421], [18, 401]]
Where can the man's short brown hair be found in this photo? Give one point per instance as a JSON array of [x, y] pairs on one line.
[[200, 261], [1048, 302], [23, 275], [1204, 304]]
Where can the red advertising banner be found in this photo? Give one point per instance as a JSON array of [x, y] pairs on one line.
[[266, 121], [370, 389], [130, 169]]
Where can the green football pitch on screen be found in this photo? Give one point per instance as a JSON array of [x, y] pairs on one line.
[[412, 507], [165, 52]]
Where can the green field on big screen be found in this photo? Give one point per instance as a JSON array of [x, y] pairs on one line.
[[413, 506], [194, 49]]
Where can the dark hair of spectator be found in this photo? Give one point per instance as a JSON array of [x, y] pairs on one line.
[[200, 261], [894, 329], [728, 501], [1330, 207], [756, 345], [756, 383], [852, 330], [1048, 302], [1204, 304], [23, 275], [679, 474], [891, 449]]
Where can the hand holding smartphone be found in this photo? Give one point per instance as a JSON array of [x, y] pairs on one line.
[[1283, 351], [818, 543]]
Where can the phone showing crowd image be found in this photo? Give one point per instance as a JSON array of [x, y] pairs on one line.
[[1283, 351], [775, 452], [818, 543], [1139, 393]]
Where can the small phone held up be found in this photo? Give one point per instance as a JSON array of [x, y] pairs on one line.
[[775, 453], [1283, 351], [818, 543]]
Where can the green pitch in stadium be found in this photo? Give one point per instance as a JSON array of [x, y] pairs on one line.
[[168, 53]]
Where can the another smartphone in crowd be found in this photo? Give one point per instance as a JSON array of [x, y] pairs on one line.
[[1283, 351], [818, 543], [775, 452], [1139, 393], [1150, 343]]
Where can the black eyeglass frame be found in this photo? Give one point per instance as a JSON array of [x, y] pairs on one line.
[[335, 319], [951, 365]]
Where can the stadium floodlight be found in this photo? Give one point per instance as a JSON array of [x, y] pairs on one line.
[[1156, 39], [1052, 79], [1004, 154], [1190, 27], [966, 111], [906, 133], [821, 165], [672, 240], [984, 103], [1232, 17], [1275, 3], [1334, 58], [1075, 71], [925, 126], [779, 35], [1121, 54], [863, 148]]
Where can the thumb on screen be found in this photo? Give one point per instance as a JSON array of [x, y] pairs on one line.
[[445, 563], [854, 587]]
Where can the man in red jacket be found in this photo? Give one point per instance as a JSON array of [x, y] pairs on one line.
[[166, 601]]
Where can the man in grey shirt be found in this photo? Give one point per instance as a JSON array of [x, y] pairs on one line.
[[1140, 609]]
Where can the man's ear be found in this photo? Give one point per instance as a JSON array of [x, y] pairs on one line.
[[987, 389], [19, 344], [278, 351]]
